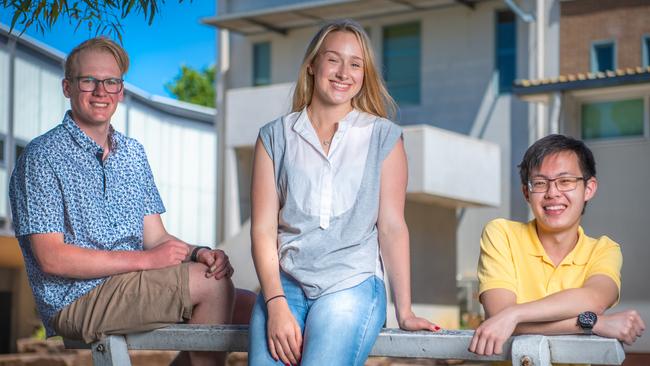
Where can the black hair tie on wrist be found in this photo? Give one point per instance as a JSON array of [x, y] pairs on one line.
[[274, 297]]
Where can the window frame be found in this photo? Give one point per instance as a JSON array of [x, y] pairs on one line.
[[645, 50], [587, 98], [496, 51], [254, 46], [381, 57], [592, 52], [5, 146]]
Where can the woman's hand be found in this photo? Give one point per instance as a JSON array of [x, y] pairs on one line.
[[284, 334], [412, 322]]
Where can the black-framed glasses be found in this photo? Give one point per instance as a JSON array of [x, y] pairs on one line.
[[89, 84], [563, 184]]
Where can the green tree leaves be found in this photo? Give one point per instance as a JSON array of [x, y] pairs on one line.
[[100, 17], [194, 86]]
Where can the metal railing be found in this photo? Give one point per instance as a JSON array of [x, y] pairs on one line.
[[523, 350]]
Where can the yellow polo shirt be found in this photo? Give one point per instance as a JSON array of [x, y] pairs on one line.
[[512, 258]]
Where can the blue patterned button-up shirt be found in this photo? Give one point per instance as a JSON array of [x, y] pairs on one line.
[[60, 184]]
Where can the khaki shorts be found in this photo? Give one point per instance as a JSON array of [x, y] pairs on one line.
[[128, 303]]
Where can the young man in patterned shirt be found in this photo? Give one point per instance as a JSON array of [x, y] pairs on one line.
[[86, 212], [546, 276]]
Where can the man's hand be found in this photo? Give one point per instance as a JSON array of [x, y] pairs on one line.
[[166, 254], [217, 262], [490, 336], [625, 326]]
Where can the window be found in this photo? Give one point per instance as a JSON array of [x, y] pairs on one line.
[[2, 150], [603, 56], [20, 147], [645, 51], [401, 61], [612, 119], [506, 50], [262, 63]]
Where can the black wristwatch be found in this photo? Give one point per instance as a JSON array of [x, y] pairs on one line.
[[194, 256], [586, 321]]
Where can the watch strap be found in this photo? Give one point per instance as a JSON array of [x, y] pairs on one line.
[[195, 252]]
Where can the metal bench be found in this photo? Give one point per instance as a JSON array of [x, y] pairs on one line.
[[524, 350]]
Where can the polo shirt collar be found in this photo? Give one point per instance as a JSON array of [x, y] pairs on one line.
[[578, 256], [84, 141]]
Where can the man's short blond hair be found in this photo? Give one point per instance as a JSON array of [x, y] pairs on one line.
[[102, 44]]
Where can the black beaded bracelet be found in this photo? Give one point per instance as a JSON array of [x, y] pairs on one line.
[[274, 297], [195, 252]]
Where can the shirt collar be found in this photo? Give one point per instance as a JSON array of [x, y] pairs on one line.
[[84, 140], [304, 128], [579, 255]]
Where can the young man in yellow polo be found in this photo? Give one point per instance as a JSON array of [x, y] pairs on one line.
[[546, 276]]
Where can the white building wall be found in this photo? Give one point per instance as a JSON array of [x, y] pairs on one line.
[[182, 157], [4, 90], [4, 118], [39, 103]]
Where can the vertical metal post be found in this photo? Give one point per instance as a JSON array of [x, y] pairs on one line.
[[220, 126], [531, 350], [10, 148], [110, 351]]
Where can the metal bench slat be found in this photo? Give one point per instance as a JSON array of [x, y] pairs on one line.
[[447, 344]]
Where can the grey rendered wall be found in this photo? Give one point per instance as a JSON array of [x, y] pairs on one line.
[[433, 251]]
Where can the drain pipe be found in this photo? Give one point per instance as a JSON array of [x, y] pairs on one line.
[[540, 32]]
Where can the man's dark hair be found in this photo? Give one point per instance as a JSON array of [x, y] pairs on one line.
[[553, 144]]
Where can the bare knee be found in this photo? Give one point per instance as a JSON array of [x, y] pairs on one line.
[[209, 289]]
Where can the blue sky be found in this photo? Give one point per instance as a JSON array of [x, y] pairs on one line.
[[176, 37]]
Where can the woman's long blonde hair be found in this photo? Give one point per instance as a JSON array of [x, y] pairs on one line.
[[373, 97]]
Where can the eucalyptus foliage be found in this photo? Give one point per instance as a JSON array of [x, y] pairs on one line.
[[98, 17]]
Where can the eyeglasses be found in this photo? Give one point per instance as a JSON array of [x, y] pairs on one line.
[[563, 184], [89, 84]]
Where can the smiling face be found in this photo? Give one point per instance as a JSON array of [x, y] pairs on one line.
[[556, 211], [337, 70], [94, 108]]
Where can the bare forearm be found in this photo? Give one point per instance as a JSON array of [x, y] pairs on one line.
[[83, 263], [558, 327], [561, 305], [267, 264], [395, 253]]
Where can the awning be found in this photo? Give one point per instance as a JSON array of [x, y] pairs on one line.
[[582, 81], [281, 19]]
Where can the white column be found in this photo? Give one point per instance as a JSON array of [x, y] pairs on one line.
[[231, 214], [220, 126], [541, 109]]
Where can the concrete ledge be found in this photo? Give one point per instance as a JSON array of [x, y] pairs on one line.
[[452, 169], [450, 344]]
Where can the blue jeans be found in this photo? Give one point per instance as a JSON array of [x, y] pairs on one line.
[[338, 328]]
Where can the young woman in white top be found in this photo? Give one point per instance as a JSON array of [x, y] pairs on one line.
[[328, 193]]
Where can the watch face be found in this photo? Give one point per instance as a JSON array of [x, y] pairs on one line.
[[587, 320]]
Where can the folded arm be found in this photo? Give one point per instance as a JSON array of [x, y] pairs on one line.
[[56, 257], [552, 315]]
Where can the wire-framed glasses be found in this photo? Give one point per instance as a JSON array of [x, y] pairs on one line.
[[563, 184]]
